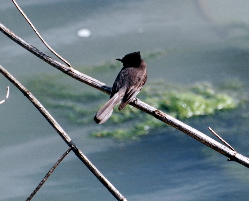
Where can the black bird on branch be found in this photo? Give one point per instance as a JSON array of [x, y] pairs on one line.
[[127, 85]]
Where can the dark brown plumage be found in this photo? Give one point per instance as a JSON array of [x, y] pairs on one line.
[[127, 85]]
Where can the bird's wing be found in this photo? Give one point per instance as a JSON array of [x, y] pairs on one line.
[[128, 83], [135, 85], [129, 95], [120, 81]]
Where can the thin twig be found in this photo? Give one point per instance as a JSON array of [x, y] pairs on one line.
[[221, 139], [7, 95], [201, 137], [63, 135], [48, 174], [68, 70], [37, 33]]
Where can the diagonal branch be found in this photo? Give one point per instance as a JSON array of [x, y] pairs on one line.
[[221, 139], [63, 135], [37, 33], [137, 103], [48, 174], [65, 69]]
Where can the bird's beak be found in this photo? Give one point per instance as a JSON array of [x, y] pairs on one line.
[[119, 60]]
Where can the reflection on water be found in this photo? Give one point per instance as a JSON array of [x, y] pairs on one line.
[[161, 166]]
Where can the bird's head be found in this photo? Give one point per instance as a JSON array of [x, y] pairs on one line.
[[131, 60]]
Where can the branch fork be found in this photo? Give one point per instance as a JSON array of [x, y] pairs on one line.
[[224, 142]]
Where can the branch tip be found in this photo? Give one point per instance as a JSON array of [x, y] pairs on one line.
[[38, 34], [48, 175], [222, 140], [7, 95]]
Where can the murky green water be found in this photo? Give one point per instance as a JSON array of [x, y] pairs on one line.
[[203, 41]]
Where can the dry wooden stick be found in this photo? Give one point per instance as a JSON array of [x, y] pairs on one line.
[[7, 95], [138, 104], [201, 137], [37, 33], [66, 69], [221, 139], [63, 135], [48, 174]]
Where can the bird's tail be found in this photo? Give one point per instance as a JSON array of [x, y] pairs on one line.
[[106, 111]]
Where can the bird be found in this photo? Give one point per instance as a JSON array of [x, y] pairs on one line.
[[126, 86]]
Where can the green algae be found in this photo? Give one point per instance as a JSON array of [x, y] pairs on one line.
[[196, 101], [78, 106], [180, 102]]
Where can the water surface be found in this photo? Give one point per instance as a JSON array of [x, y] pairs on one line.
[[205, 40]]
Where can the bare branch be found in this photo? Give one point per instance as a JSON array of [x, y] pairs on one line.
[[221, 139], [65, 69], [7, 95], [63, 135], [48, 174], [37, 33], [201, 137]]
